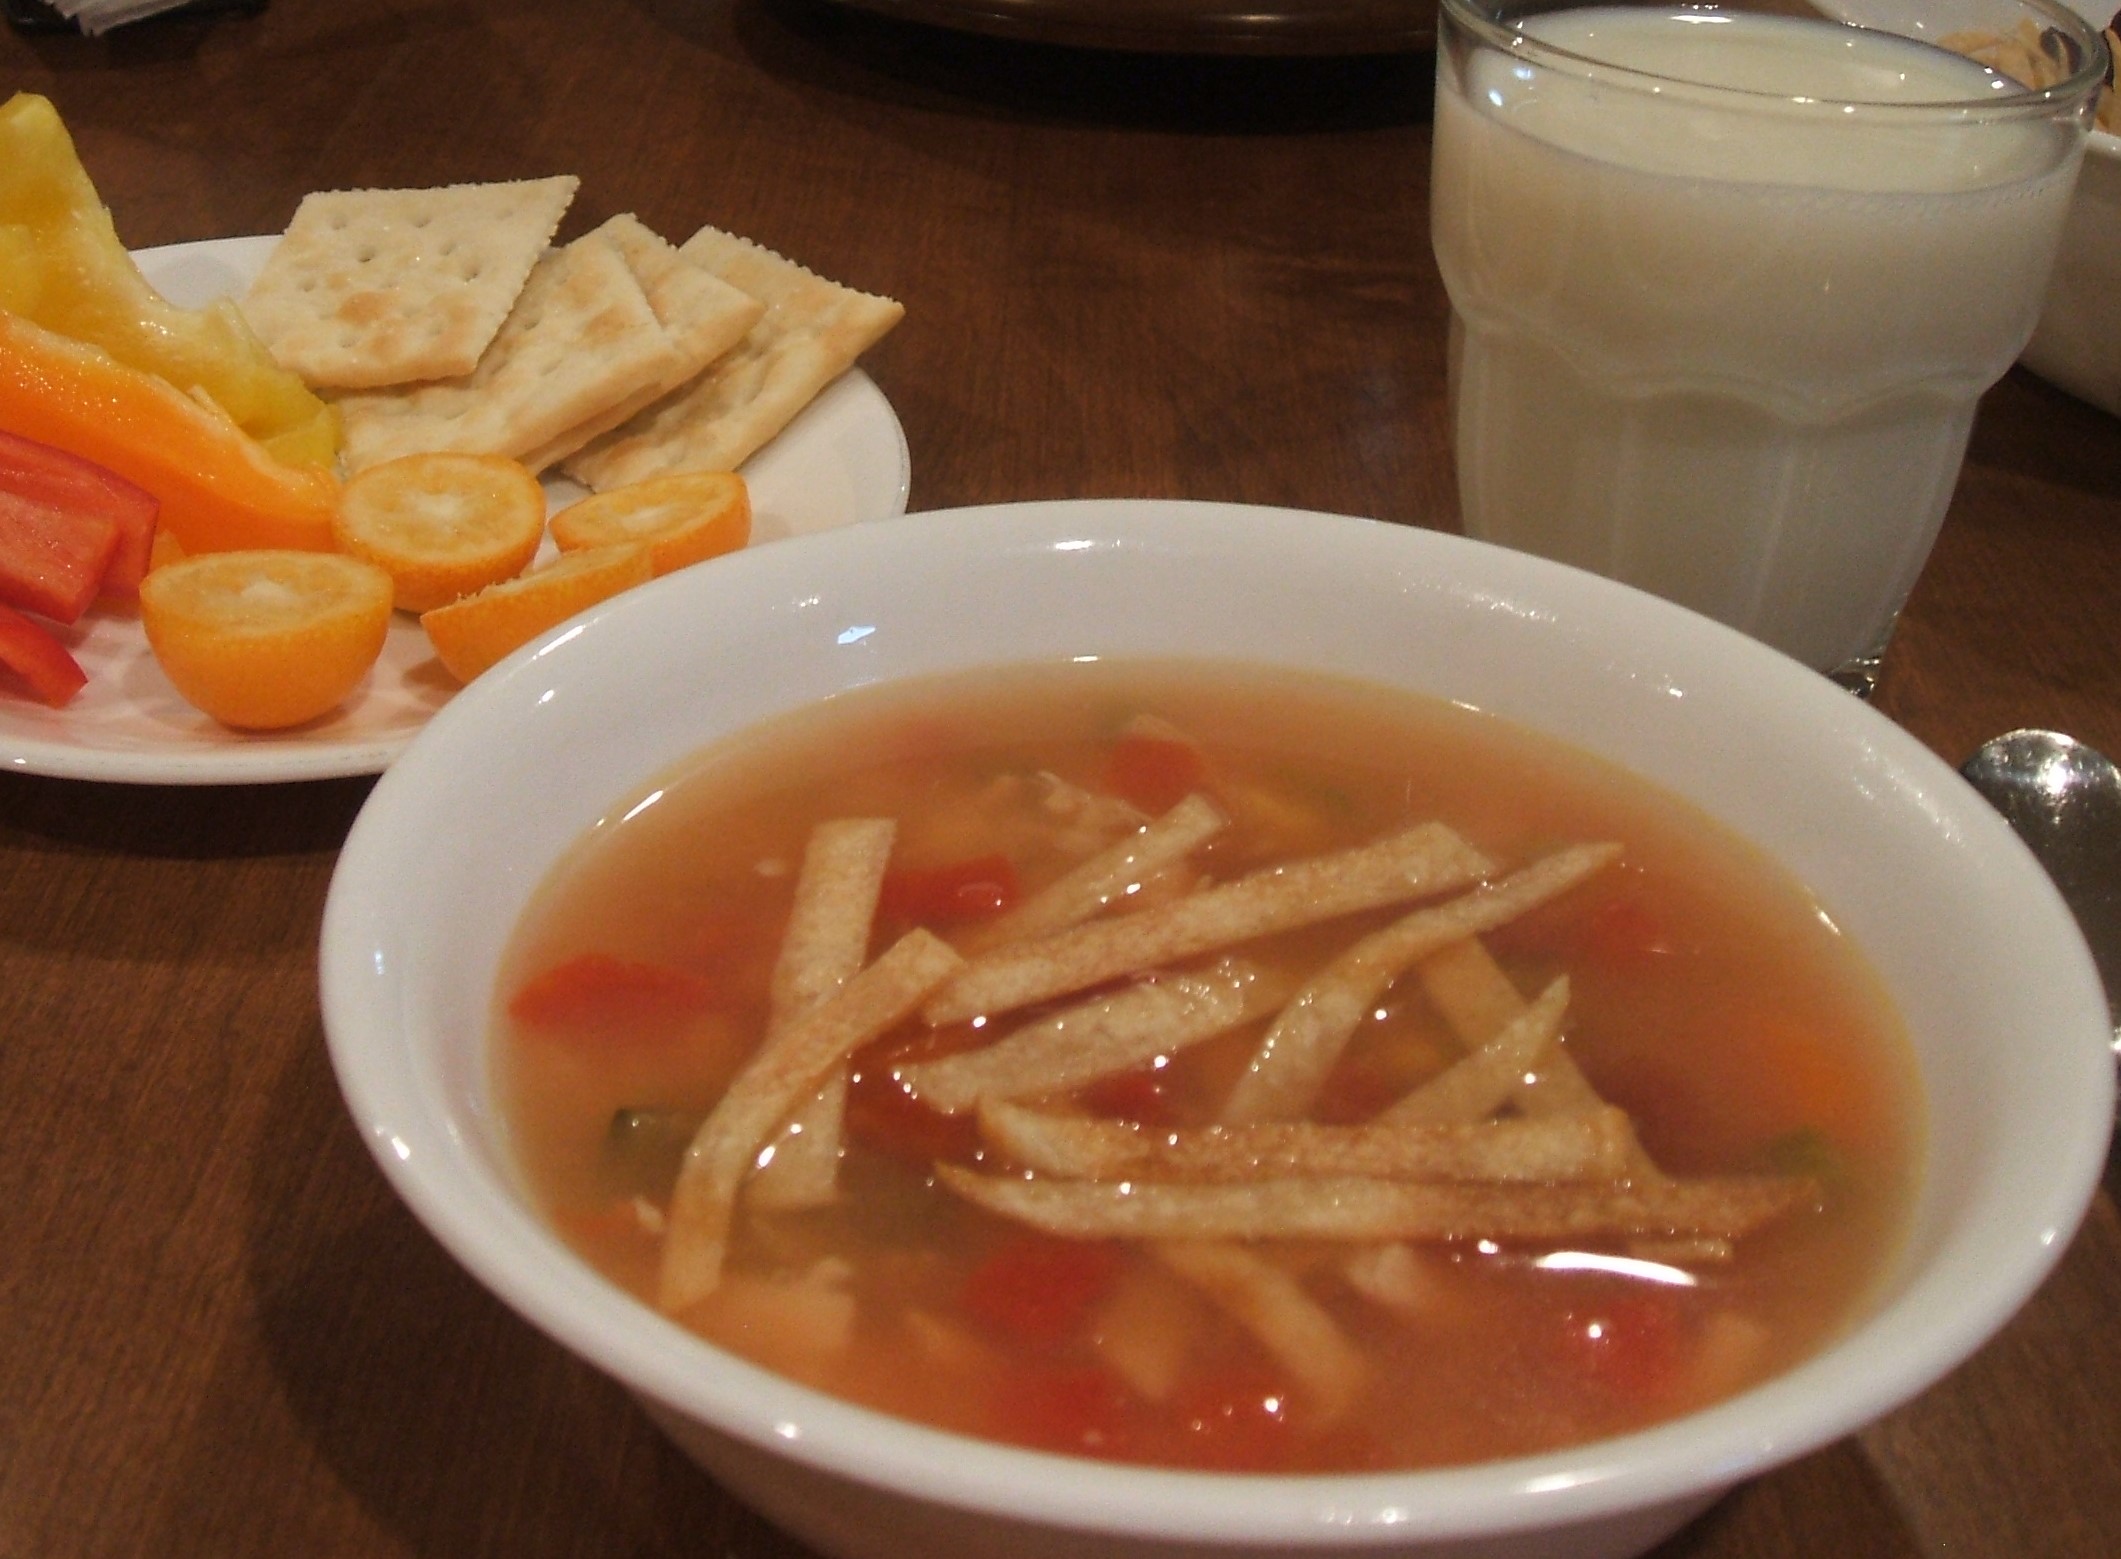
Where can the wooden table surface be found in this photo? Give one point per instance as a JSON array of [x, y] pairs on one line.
[[220, 1333]]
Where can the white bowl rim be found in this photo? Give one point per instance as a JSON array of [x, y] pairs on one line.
[[1701, 1453]]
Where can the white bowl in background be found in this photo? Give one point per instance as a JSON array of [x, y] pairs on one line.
[[2077, 344], [2001, 999]]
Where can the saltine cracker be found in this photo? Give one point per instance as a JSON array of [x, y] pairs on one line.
[[702, 315], [582, 337], [811, 332], [379, 287]]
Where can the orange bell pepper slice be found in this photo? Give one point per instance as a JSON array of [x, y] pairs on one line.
[[220, 491]]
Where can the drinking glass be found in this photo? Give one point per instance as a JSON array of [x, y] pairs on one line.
[[1728, 281]]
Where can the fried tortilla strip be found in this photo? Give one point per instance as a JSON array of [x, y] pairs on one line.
[[800, 1168], [1476, 998], [1469, 990], [1416, 863], [1299, 1050], [1395, 1277], [1268, 1301], [1080, 1147], [827, 938], [1094, 1039], [1146, 1328], [823, 948], [1476, 1086], [1728, 1207], [767, 1090], [788, 1322], [1106, 876]]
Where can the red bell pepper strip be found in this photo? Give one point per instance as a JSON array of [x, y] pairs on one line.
[[66, 481], [596, 990], [1633, 1345], [1039, 1289], [52, 560], [1156, 773], [941, 895], [1619, 933], [218, 487], [884, 1117], [39, 659], [1057, 1405]]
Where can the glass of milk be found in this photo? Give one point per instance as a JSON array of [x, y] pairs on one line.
[[1727, 283]]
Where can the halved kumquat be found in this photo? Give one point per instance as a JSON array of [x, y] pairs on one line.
[[263, 640], [682, 519], [166, 550], [473, 633], [443, 525]]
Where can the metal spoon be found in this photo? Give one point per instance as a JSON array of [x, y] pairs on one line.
[[2064, 800]]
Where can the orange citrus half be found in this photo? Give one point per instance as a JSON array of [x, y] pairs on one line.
[[442, 525], [473, 633], [683, 518], [262, 640]]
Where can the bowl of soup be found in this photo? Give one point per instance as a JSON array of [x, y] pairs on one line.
[[1170, 1028]]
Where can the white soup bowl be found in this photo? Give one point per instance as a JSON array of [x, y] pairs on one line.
[[1999, 996]]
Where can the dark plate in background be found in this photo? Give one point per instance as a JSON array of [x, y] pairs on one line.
[[1186, 26]]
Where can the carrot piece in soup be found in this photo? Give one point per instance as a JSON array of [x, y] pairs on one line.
[[1156, 773], [600, 991], [38, 659], [1038, 1289], [945, 895], [1807, 1079]]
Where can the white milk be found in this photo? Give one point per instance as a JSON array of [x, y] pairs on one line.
[[1721, 350]]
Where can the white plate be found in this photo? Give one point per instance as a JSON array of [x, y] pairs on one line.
[[843, 460]]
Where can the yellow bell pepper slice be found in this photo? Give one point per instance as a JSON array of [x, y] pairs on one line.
[[219, 489], [62, 267]]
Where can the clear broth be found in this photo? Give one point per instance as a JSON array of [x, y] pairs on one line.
[[1711, 998]]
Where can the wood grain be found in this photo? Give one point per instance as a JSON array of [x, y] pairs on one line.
[[220, 1334]]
